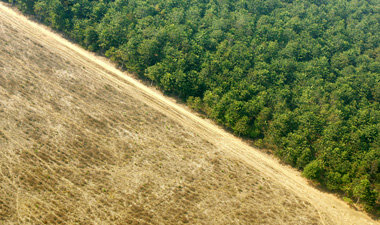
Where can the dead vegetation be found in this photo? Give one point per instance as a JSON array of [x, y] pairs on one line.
[[77, 148]]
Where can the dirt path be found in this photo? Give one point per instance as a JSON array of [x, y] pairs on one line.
[[331, 209]]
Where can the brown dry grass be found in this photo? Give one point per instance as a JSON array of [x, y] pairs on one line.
[[78, 146]]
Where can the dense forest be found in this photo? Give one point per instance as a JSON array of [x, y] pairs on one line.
[[301, 77]]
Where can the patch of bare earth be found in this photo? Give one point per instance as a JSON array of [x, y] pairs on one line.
[[78, 147]]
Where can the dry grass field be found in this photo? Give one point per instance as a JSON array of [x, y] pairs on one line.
[[80, 145]]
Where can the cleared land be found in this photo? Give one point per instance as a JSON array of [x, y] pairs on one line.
[[83, 143]]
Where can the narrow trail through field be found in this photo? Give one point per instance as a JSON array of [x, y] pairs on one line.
[[331, 209]]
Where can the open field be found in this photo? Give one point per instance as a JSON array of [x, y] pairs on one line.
[[83, 143]]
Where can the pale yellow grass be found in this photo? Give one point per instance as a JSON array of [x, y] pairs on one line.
[[81, 144]]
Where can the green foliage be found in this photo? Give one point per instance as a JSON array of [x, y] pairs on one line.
[[302, 76], [314, 170], [362, 190]]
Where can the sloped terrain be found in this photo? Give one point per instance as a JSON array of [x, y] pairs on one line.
[[80, 145]]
